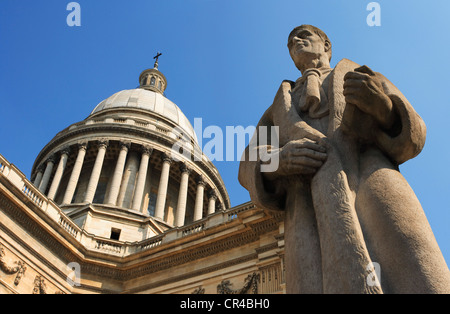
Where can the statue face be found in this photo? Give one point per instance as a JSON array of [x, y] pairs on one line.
[[304, 44]]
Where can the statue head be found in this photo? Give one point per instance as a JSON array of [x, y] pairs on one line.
[[307, 43]]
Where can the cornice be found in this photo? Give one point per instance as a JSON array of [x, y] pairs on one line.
[[199, 272]]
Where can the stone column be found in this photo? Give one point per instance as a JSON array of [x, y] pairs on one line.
[[163, 185], [198, 208], [118, 173], [46, 176], [128, 180], [75, 175], [38, 178], [58, 174], [212, 202], [141, 179], [182, 196], [96, 171]]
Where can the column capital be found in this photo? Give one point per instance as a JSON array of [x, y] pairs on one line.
[[82, 145], [65, 150], [102, 143], [51, 159], [201, 180], [146, 150], [166, 158], [185, 169], [41, 167], [212, 195], [125, 145]]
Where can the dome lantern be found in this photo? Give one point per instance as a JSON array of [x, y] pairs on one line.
[[152, 79]]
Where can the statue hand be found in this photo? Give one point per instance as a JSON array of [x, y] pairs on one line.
[[299, 157], [363, 89]]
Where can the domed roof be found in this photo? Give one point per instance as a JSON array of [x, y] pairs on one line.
[[147, 100]]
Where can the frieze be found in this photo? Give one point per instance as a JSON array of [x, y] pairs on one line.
[[204, 251], [267, 248], [264, 226], [40, 286], [250, 283], [20, 269], [199, 290], [199, 272], [36, 231]]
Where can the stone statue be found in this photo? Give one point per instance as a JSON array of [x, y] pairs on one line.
[[343, 132]]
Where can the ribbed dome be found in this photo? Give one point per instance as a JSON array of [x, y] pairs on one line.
[[147, 100]]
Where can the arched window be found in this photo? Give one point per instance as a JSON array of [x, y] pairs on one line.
[[153, 81], [160, 85]]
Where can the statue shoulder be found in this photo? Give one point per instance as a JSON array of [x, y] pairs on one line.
[[281, 98], [344, 66], [287, 84], [284, 92]]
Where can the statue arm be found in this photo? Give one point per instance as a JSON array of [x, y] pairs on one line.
[[377, 112], [406, 138], [263, 193]]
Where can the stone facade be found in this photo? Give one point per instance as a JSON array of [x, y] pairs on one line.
[[217, 254]]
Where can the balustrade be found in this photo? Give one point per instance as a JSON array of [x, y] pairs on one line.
[[32, 194]]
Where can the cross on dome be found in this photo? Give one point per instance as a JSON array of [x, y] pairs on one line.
[[159, 54]]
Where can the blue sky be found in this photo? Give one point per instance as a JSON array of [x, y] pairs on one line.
[[224, 61]]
